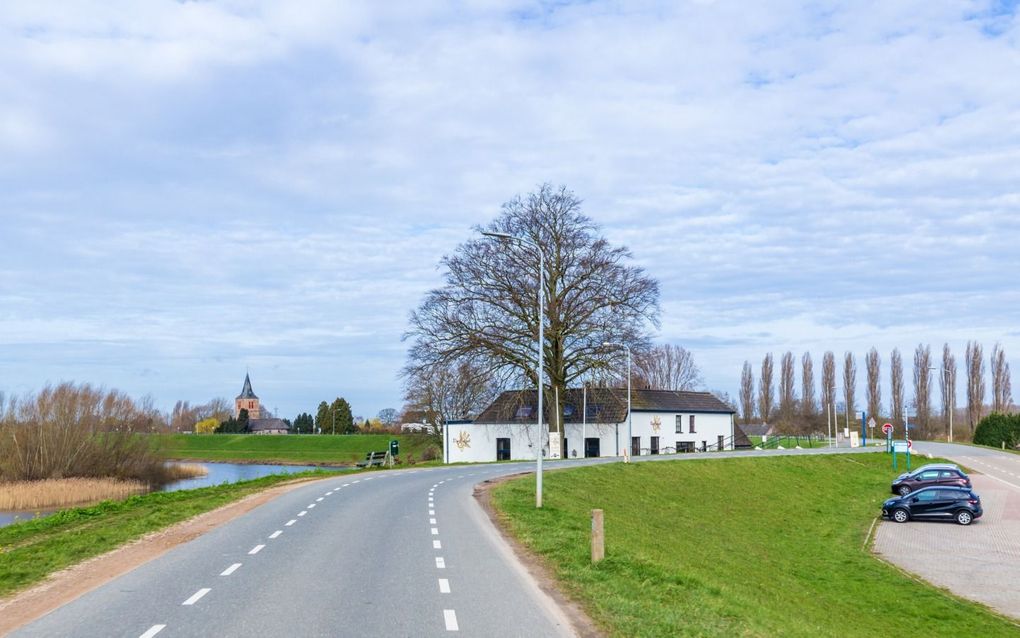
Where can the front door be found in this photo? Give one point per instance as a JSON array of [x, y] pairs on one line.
[[565, 454], [591, 447], [655, 445], [635, 446], [722, 443], [502, 449]]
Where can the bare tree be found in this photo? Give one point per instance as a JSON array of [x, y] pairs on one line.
[[666, 367], [849, 381], [766, 392], [787, 392], [807, 389], [947, 384], [486, 311], [922, 389], [1001, 398], [873, 365], [828, 381], [450, 392], [896, 386], [747, 393], [975, 364]]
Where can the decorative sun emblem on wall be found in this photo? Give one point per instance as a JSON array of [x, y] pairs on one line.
[[463, 440], [656, 423]]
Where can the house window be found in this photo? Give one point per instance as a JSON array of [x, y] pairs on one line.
[[692, 424], [679, 424], [523, 412]]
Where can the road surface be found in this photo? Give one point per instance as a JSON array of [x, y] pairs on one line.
[[395, 553]]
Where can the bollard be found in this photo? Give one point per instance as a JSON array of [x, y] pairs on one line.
[[598, 536]]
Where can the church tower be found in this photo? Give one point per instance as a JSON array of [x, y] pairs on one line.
[[247, 401]]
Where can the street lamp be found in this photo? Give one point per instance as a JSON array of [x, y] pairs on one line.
[[630, 435], [952, 397], [538, 350]]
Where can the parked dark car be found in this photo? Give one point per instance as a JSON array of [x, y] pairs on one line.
[[930, 475], [935, 503]]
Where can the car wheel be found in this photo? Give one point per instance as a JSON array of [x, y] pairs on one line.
[[900, 516], [963, 517], [903, 490]]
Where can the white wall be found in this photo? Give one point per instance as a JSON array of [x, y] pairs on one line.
[[479, 442], [708, 427]]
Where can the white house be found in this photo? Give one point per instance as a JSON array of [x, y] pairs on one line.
[[594, 424]]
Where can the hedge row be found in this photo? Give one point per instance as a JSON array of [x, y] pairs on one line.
[[996, 429]]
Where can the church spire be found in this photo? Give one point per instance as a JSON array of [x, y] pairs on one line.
[[246, 391]]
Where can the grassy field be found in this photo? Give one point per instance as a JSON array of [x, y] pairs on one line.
[[292, 448], [734, 547], [31, 550]]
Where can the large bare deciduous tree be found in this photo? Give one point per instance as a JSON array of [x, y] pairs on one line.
[[922, 389], [766, 391], [896, 387], [449, 392], [849, 381], [666, 367], [486, 312], [787, 391], [828, 381], [808, 405], [947, 383], [873, 367], [975, 364], [747, 393], [1001, 391]]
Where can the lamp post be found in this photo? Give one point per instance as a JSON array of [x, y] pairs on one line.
[[538, 352], [630, 434]]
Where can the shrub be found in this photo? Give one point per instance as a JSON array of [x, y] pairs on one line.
[[996, 429], [430, 454]]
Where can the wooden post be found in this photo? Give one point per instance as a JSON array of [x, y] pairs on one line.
[[598, 536]]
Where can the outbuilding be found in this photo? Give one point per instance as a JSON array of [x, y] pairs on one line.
[[594, 424]]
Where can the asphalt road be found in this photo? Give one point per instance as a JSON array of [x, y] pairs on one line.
[[395, 553]]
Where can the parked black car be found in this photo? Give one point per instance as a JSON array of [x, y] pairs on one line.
[[935, 503], [930, 475]]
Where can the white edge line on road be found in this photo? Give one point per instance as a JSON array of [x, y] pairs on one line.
[[440, 562], [444, 586], [255, 550], [437, 545], [196, 596], [276, 533], [230, 570], [155, 629], [1014, 485], [450, 617], [290, 522]]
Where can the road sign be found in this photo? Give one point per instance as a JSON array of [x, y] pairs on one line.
[[871, 422], [910, 445], [887, 428], [901, 447]]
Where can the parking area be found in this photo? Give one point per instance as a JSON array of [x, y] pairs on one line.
[[980, 562]]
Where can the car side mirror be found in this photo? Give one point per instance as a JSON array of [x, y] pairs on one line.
[[914, 500]]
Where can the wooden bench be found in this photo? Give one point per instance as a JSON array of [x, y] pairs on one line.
[[373, 459]]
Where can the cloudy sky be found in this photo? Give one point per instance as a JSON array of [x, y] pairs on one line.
[[190, 189]]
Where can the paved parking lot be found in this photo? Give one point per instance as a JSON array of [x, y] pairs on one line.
[[980, 562]]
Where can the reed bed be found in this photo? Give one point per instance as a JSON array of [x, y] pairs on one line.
[[181, 471], [55, 493]]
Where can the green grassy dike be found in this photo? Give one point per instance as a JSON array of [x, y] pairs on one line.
[[734, 547], [31, 550], [292, 448]]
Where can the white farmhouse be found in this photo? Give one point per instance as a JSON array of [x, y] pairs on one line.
[[594, 424]]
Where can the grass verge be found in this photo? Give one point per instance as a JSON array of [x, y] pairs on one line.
[[31, 550], [733, 547], [292, 448]]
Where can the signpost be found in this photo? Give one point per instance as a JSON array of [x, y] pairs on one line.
[[871, 425], [902, 447], [887, 431]]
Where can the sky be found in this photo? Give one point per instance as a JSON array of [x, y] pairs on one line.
[[193, 190]]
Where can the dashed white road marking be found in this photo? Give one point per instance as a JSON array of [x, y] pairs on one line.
[[450, 617], [440, 562], [276, 533], [353, 482], [155, 629], [435, 531], [437, 545], [311, 506], [318, 500], [256, 550], [302, 512], [444, 586], [197, 596], [432, 512], [290, 522], [432, 521], [230, 570]]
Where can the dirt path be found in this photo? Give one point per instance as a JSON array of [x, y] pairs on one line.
[[64, 586]]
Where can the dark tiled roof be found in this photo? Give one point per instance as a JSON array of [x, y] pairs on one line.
[[246, 392], [605, 405], [257, 425]]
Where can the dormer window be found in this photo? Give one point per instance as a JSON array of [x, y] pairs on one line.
[[524, 412]]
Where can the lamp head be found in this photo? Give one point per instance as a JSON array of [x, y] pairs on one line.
[[498, 235]]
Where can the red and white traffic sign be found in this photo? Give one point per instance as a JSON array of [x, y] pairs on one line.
[[910, 444], [887, 428]]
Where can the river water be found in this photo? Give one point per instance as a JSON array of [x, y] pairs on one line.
[[219, 473]]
